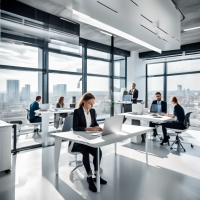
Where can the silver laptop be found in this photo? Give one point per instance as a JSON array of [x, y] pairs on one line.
[[127, 97], [111, 125], [44, 107]]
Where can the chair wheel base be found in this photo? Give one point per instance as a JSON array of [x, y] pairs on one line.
[[184, 150], [171, 148], [192, 146]]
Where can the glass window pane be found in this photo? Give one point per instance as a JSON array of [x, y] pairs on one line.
[[98, 54], [67, 48], [99, 87], [97, 67], [117, 57], [118, 85], [155, 69], [19, 55], [119, 68], [155, 84], [65, 63], [183, 66], [18, 90], [186, 89], [64, 85]]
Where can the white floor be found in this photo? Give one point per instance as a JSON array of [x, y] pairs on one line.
[[170, 175]]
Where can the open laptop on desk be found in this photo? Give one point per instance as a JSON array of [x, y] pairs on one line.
[[136, 109], [44, 107], [111, 125]]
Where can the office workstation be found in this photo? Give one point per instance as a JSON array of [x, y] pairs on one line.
[[99, 100]]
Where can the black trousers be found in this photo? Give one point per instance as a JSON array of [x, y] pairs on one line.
[[174, 125], [85, 151], [154, 130]]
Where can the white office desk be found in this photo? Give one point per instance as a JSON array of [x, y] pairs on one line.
[[46, 139], [123, 102], [146, 117], [85, 138], [5, 146]]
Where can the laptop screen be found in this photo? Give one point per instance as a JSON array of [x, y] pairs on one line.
[[156, 108], [127, 97]]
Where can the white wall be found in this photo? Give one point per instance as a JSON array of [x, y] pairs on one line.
[[136, 73]]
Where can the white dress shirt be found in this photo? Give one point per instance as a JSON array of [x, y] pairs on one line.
[[88, 118]]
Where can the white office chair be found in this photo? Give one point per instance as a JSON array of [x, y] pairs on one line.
[[68, 124], [179, 131], [34, 124]]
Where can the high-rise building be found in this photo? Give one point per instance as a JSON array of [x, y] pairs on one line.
[[26, 93], [60, 90], [2, 97], [179, 89], [12, 92]]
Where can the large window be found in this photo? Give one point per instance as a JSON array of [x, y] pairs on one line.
[[99, 87], [64, 85], [64, 63], [181, 80], [98, 67], [18, 90], [186, 89], [20, 55], [53, 70], [155, 84]]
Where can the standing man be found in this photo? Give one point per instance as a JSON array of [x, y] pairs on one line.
[[134, 92], [161, 108], [35, 106]]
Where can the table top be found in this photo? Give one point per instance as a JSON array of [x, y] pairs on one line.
[[122, 102], [55, 111], [148, 117], [86, 138], [4, 124]]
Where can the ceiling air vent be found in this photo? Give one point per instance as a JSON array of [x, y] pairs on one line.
[[35, 25], [11, 18]]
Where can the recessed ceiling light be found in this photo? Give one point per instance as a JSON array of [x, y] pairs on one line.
[[93, 22], [57, 41], [189, 29], [106, 33]]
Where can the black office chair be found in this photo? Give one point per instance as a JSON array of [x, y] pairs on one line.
[[179, 131]]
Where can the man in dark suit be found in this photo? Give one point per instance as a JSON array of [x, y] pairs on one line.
[[134, 92], [161, 109]]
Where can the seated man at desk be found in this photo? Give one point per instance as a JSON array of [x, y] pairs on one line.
[[161, 107], [35, 106]]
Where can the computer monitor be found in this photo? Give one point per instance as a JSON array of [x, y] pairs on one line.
[[127, 98], [156, 108]]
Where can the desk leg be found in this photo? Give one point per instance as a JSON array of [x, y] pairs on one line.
[[57, 147], [98, 174], [146, 149], [115, 148]]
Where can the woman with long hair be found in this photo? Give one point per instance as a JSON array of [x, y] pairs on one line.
[[85, 120], [60, 104]]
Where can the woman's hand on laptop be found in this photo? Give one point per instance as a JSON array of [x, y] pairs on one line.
[[96, 128], [99, 128]]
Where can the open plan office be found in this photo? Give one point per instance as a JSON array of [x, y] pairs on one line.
[[100, 100]]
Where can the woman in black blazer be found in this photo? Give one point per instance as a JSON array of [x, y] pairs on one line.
[[85, 120]]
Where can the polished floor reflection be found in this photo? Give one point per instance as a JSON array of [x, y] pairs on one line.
[[170, 174]]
